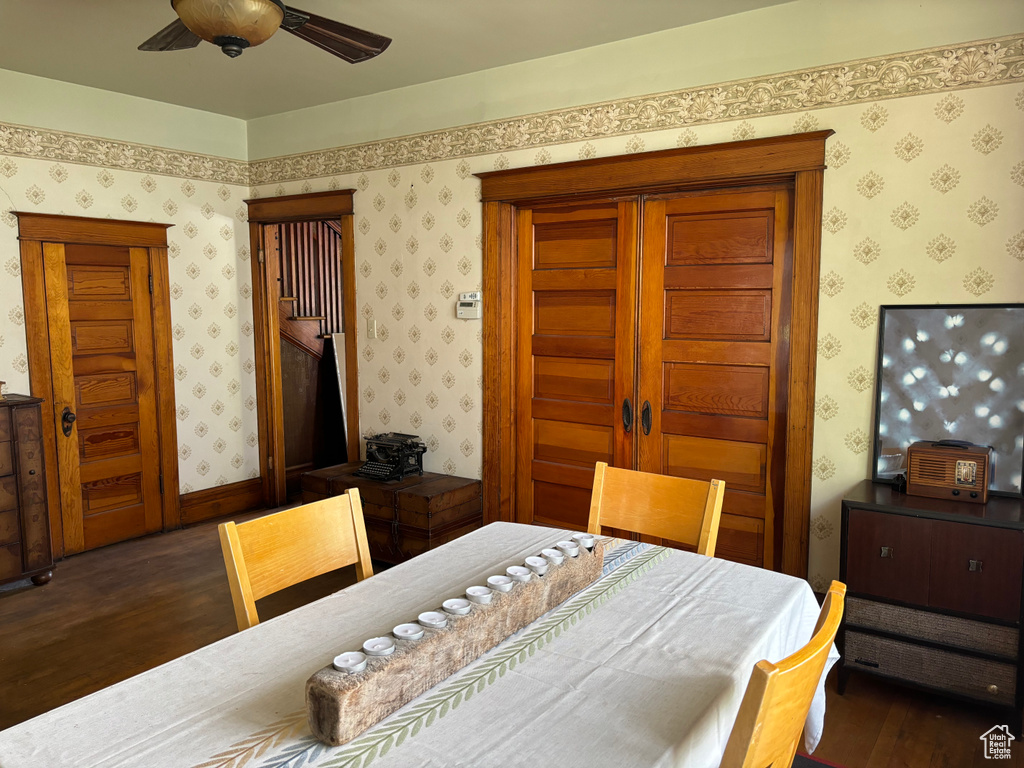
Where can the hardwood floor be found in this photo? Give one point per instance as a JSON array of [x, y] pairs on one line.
[[114, 612]]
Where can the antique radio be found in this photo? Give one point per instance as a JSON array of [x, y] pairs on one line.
[[392, 456], [949, 469]]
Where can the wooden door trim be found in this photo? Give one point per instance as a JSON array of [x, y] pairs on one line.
[[33, 230], [318, 206], [799, 158], [54, 228], [715, 164]]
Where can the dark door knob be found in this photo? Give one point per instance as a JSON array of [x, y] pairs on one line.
[[627, 415], [67, 418], [645, 417]]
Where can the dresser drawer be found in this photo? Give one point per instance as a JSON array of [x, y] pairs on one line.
[[888, 555], [10, 562], [934, 627], [976, 569], [980, 679], [5, 425], [10, 531], [6, 458], [8, 493]]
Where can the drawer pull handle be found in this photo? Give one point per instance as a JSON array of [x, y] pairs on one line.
[[864, 663], [993, 689], [974, 566], [887, 552]]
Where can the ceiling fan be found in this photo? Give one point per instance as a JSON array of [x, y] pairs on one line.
[[235, 25]]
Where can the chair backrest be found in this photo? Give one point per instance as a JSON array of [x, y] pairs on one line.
[[271, 553], [771, 717], [676, 508]]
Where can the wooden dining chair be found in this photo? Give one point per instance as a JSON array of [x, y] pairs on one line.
[[771, 717], [675, 508], [271, 553]]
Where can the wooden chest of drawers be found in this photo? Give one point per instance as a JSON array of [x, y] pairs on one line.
[[934, 594], [406, 517], [24, 522]]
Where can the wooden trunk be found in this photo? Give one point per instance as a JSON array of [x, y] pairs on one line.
[[406, 517]]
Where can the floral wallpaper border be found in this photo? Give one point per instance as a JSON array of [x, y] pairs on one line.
[[966, 65], [988, 62], [43, 144]]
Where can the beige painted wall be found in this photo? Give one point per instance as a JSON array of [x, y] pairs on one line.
[[43, 103], [796, 35]]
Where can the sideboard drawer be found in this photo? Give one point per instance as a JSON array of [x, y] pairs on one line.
[[934, 627], [976, 570], [980, 679], [6, 459], [887, 556]]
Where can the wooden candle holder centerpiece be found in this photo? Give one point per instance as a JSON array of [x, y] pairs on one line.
[[341, 705]]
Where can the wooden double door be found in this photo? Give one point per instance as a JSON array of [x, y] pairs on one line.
[[653, 335]]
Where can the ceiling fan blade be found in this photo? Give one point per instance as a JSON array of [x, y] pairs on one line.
[[174, 37], [344, 41]]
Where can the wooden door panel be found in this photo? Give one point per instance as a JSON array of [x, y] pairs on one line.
[[104, 337], [976, 569], [566, 378], [102, 346], [577, 293], [737, 315], [108, 442], [723, 238], [574, 313], [712, 271], [888, 556], [740, 465], [717, 389], [574, 244]]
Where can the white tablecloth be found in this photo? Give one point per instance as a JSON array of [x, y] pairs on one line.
[[645, 668]]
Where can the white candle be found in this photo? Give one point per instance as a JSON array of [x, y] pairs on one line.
[[537, 564], [519, 572], [350, 661], [571, 548], [433, 619], [585, 539], [379, 646], [500, 583], [408, 631], [553, 556], [457, 606], [479, 595]]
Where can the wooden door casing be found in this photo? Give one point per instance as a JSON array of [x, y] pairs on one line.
[[714, 304], [55, 255], [101, 342], [576, 302], [797, 160]]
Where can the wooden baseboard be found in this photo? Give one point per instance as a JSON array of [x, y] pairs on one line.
[[221, 501]]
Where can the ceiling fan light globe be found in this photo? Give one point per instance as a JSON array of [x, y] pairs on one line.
[[254, 21]]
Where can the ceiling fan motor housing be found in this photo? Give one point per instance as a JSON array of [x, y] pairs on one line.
[[234, 25]]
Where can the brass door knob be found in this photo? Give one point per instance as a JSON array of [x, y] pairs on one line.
[[993, 689]]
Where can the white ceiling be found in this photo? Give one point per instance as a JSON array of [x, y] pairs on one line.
[[93, 42]]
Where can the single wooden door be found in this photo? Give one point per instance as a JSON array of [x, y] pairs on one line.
[[714, 321], [102, 362], [576, 328]]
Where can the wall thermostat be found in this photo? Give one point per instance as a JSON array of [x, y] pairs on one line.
[[468, 309]]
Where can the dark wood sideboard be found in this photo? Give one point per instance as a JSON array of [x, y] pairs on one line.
[[406, 517], [24, 522], [934, 594]]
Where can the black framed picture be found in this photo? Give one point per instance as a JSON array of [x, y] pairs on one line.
[[951, 372]]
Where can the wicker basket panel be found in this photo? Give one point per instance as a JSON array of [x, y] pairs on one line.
[[934, 627], [990, 681]]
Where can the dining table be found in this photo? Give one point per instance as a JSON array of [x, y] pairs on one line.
[[646, 666]]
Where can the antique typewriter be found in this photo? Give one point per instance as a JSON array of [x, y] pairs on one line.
[[392, 456]]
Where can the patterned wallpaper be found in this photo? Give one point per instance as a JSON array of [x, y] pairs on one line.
[[924, 202], [211, 307]]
